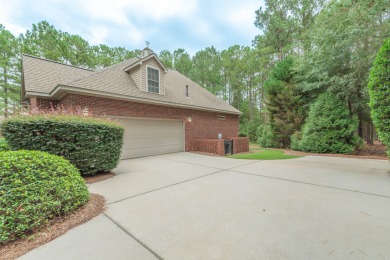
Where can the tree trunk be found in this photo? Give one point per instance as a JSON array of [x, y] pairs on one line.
[[5, 93]]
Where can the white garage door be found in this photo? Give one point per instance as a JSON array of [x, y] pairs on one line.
[[145, 137]]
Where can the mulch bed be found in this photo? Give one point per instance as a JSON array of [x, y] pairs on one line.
[[57, 227], [98, 177]]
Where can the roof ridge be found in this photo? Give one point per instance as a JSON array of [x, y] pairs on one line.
[[99, 71], [60, 63]]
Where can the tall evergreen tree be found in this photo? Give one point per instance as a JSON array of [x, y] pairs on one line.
[[9, 71], [329, 127], [283, 103], [379, 89]]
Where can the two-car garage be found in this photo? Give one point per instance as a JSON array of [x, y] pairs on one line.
[[144, 137]]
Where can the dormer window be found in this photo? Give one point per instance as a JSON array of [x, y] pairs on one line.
[[153, 80]]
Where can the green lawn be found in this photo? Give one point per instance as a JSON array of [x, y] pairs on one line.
[[264, 155]]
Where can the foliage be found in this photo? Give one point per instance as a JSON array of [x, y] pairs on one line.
[[283, 103], [9, 72], [264, 155], [35, 187], [379, 90], [343, 42], [266, 137], [329, 127], [3, 145], [295, 140], [45, 41], [91, 144], [333, 44]]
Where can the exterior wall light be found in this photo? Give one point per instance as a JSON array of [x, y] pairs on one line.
[[189, 119]]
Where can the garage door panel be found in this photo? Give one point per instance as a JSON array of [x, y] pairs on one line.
[[144, 137]]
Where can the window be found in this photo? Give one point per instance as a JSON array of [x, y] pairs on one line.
[[221, 117], [153, 80]]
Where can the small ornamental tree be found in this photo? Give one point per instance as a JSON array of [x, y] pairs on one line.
[[379, 90], [329, 127]]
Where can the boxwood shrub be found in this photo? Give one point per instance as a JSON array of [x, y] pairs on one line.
[[91, 144], [34, 187], [3, 145]]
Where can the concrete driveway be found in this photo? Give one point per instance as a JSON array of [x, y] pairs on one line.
[[189, 206]]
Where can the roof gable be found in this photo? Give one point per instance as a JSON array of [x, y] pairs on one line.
[[144, 59]]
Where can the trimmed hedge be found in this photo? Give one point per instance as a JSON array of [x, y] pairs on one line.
[[379, 90], [91, 144], [3, 145], [35, 187]]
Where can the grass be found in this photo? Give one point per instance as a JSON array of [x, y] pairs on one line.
[[264, 155]]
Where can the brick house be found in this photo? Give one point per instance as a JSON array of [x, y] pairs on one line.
[[162, 110]]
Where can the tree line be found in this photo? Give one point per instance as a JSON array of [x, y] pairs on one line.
[[305, 48]]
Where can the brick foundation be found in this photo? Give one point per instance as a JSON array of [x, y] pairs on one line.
[[240, 144]]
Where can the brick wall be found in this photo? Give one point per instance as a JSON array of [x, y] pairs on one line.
[[240, 144], [42, 103], [216, 146], [203, 125]]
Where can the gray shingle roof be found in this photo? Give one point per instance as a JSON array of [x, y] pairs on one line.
[[46, 76], [41, 75]]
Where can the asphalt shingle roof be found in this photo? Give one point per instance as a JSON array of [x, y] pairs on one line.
[[43, 76]]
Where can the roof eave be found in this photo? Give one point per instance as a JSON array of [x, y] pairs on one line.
[[61, 90]]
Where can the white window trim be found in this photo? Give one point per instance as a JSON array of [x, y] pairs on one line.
[[147, 79]]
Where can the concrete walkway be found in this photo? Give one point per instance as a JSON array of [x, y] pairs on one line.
[[189, 206]]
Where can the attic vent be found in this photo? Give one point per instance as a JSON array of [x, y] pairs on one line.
[[187, 94], [221, 117]]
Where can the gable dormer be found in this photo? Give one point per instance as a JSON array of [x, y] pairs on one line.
[[148, 72]]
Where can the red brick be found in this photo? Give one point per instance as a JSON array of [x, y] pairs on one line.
[[203, 125]]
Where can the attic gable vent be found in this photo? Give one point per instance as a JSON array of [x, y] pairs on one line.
[[187, 94]]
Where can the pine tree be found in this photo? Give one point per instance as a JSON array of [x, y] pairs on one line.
[[379, 90], [9, 72]]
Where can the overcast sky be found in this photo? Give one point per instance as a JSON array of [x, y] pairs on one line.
[[166, 24]]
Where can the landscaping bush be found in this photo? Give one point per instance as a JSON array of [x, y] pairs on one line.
[[3, 145], [266, 136], [329, 127], [295, 141], [35, 187], [379, 90], [91, 144]]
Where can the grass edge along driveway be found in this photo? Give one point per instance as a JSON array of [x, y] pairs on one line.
[[264, 155]]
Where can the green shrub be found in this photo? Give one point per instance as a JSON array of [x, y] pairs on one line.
[[329, 127], [379, 90], [91, 144], [266, 136], [34, 187], [3, 145], [295, 141], [249, 129], [241, 134]]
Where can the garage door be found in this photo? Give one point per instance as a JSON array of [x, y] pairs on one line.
[[145, 137]]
